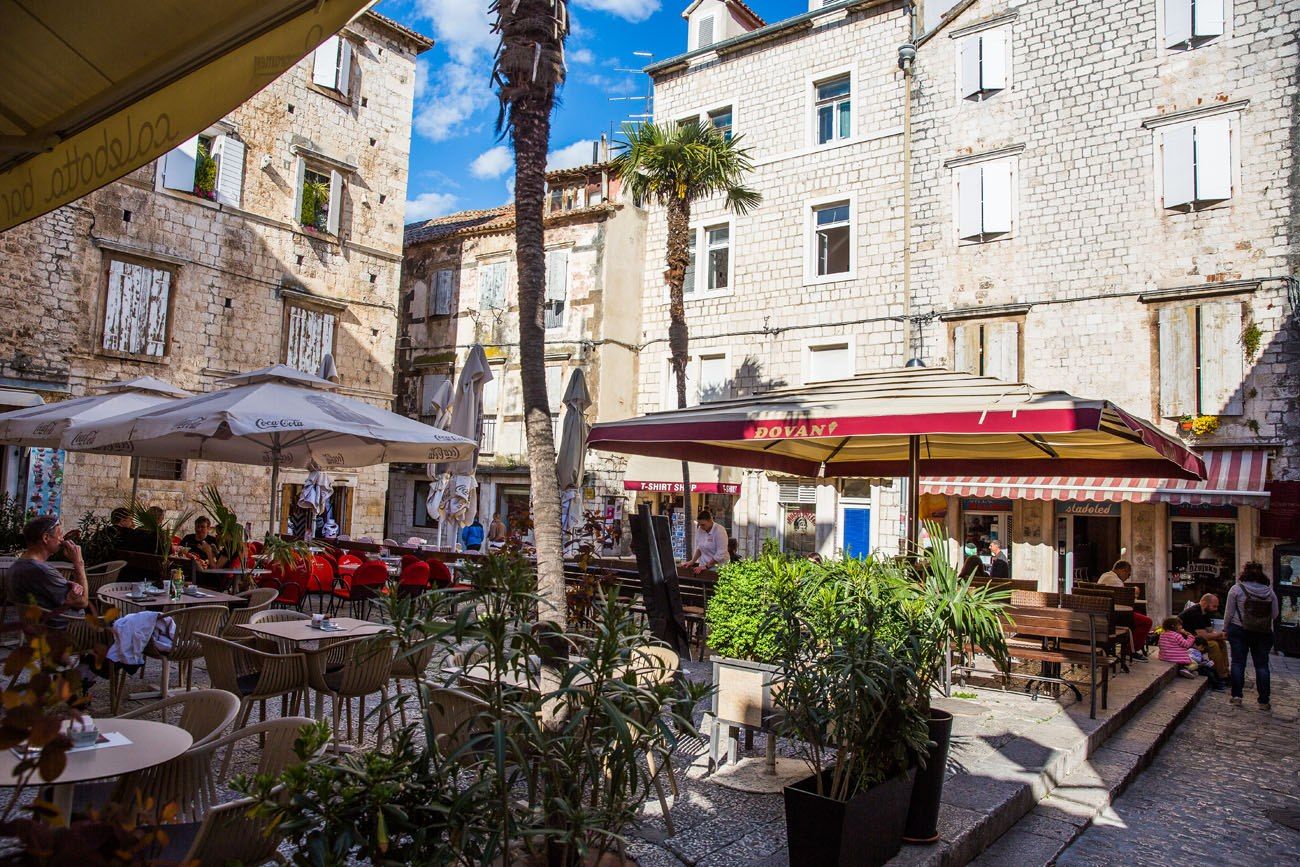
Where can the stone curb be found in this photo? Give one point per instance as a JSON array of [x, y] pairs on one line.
[[991, 797], [1084, 794]]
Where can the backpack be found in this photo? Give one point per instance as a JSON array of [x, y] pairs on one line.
[[1256, 614]]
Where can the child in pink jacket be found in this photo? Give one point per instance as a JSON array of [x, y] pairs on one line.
[[1175, 641]]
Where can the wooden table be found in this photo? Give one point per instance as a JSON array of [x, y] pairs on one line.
[[151, 743], [186, 600]]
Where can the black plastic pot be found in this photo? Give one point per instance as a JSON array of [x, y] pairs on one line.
[[865, 831], [923, 812]]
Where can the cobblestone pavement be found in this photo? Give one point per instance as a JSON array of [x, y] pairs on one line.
[[1204, 798]]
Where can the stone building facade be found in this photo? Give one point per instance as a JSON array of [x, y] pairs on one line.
[[1103, 203], [459, 289], [275, 236]]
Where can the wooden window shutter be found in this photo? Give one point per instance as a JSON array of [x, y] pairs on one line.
[[997, 195], [179, 164], [1178, 22], [1177, 361], [345, 66], [229, 154], [157, 285], [442, 293], [300, 176], [966, 348], [993, 60], [336, 202], [419, 300], [1002, 350], [1213, 142], [325, 63], [969, 67], [1207, 17], [1223, 360], [970, 220], [294, 340], [1179, 165]]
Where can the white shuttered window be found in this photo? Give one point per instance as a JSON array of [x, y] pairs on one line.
[[983, 67], [135, 308], [1202, 362], [984, 200], [704, 32], [1196, 163], [310, 338], [442, 292], [988, 349], [228, 152], [332, 64], [829, 361], [492, 285], [1189, 23], [557, 287]]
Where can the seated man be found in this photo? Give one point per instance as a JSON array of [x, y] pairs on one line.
[[34, 581], [1118, 576], [203, 545], [710, 544], [1198, 619]]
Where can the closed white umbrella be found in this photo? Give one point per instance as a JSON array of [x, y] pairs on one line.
[[277, 417], [46, 426], [572, 453], [314, 498], [455, 500]]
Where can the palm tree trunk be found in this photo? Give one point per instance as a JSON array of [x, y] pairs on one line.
[[678, 259], [531, 134]]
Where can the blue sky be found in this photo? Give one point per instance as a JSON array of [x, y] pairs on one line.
[[456, 161]]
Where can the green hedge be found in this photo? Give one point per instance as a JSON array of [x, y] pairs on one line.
[[741, 602]]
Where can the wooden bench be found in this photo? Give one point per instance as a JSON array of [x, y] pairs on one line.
[[1056, 637], [1115, 640]]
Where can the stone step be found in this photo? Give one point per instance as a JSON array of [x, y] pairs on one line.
[[1084, 794], [983, 802]]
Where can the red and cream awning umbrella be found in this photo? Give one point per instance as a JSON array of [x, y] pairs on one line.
[[910, 422]]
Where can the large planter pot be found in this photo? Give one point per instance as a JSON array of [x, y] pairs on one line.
[[865, 831], [923, 812]]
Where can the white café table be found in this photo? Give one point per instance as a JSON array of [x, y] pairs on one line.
[[151, 743], [291, 633]]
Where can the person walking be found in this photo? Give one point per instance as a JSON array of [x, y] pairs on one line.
[[1248, 619]]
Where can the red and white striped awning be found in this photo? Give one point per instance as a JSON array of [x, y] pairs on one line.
[[1235, 477]]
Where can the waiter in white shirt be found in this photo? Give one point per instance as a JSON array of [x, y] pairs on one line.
[[710, 544]]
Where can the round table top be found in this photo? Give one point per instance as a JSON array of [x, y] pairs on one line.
[[152, 743]]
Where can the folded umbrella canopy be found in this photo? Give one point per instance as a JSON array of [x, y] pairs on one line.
[[454, 500], [572, 453], [277, 417], [93, 91], [910, 422]]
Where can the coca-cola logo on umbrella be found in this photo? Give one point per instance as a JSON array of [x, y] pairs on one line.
[[335, 459], [44, 430], [85, 439], [277, 423], [191, 422], [439, 453]]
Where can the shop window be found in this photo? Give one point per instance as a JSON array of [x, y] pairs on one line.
[[309, 337], [1202, 363], [137, 307], [987, 349], [1204, 558], [798, 517]]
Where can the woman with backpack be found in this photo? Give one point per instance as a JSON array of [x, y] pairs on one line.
[[1248, 619]]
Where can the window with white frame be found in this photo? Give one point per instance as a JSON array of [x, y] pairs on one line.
[[557, 287], [709, 377], [331, 66], [492, 278], [1192, 23], [137, 305], [982, 69], [688, 282], [308, 337], [829, 360], [720, 120], [210, 166], [1196, 163], [984, 200], [987, 348], [1202, 362], [318, 197], [832, 237], [833, 110], [491, 401], [441, 292], [717, 266]]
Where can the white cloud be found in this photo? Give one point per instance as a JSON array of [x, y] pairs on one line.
[[576, 154], [582, 56], [632, 10], [460, 88], [421, 79], [426, 206], [492, 163], [463, 29], [457, 94]]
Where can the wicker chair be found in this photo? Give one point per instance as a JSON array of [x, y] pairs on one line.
[[103, 573], [453, 717], [189, 622], [254, 675], [364, 667], [115, 587], [274, 615], [205, 713], [409, 666], [259, 600]]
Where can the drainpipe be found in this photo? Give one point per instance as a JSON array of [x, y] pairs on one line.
[[906, 57]]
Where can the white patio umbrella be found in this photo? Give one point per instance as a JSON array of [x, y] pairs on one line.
[[572, 453], [455, 500], [277, 417], [46, 426]]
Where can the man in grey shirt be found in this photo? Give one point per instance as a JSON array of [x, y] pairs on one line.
[[33, 580]]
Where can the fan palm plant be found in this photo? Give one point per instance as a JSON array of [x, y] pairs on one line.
[[676, 165], [225, 524], [529, 69], [153, 520]]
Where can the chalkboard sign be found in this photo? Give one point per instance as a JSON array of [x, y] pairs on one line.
[[651, 541]]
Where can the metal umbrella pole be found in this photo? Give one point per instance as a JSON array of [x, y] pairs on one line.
[[275, 481], [914, 493]]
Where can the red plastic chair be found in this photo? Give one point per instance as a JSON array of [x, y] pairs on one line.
[[255, 547], [320, 582], [414, 579], [348, 564], [291, 587], [361, 588], [440, 572], [408, 559]]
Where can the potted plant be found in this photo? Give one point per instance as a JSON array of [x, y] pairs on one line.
[[315, 205], [97, 538], [205, 174], [227, 528], [851, 703], [12, 518], [943, 611], [153, 520]]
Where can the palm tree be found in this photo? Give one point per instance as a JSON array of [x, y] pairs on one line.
[[675, 165], [529, 68]]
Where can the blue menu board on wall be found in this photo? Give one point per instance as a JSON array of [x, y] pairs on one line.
[[45, 481]]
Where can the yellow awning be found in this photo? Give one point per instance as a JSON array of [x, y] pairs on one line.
[[93, 91]]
